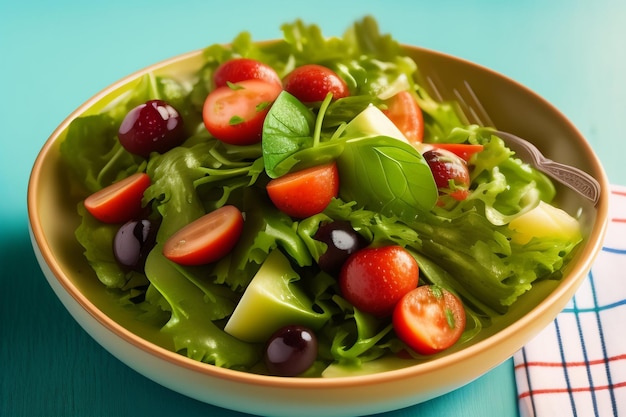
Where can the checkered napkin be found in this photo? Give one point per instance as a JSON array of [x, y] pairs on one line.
[[577, 366]]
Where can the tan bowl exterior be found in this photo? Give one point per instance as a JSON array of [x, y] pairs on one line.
[[53, 219]]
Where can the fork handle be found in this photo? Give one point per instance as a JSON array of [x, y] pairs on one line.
[[572, 177]]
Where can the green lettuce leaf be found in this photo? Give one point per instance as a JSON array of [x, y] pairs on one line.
[[265, 229], [193, 310], [94, 155], [361, 337], [172, 190], [189, 181], [91, 148], [503, 186], [467, 254], [97, 239]]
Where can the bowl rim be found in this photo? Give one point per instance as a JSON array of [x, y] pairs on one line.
[[564, 290]]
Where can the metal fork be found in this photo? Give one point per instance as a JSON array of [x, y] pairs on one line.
[[471, 108]]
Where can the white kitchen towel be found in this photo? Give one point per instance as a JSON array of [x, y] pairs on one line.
[[577, 366]]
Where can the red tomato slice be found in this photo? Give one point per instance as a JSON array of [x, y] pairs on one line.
[[406, 114], [234, 114], [242, 69], [119, 202], [429, 319], [311, 83], [375, 279], [462, 150], [207, 239], [305, 193]]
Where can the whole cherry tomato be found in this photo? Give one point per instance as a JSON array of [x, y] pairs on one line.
[[375, 279], [242, 69], [311, 82]]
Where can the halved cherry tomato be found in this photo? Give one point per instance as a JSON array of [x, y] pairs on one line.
[[235, 113], [462, 150], [307, 192], [375, 279], [429, 319], [242, 69], [311, 82], [406, 114], [119, 202], [206, 239]]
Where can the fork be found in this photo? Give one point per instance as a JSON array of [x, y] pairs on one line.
[[473, 111]]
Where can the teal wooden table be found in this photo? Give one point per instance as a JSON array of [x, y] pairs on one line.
[[55, 55]]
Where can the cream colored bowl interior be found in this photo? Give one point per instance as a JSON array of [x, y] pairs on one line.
[[52, 201]]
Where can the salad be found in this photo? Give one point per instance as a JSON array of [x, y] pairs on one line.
[[304, 206]]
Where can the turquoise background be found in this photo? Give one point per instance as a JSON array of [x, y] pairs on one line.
[[56, 55]]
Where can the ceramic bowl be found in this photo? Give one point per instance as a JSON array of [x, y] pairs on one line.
[[512, 107]]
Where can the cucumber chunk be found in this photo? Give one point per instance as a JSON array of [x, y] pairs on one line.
[[373, 122], [272, 301], [545, 221]]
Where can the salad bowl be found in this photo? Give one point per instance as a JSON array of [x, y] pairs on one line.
[[141, 345]]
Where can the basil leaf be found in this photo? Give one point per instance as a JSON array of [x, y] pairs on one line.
[[288, 128], [386, 175]]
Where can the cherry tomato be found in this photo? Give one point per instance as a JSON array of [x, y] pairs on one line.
[[119, 202], [307, 192], [463, 150], [375, 279], [429, 319], [206, 239], [446, 168], [235, 113], [311, 82], [242, 69], [406, 114]]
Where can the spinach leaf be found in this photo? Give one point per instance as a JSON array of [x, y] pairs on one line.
[[386, 175], [288, 128]]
